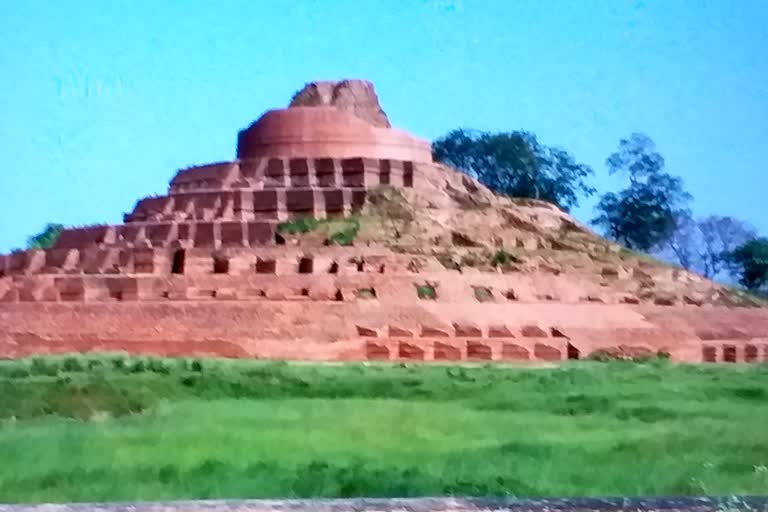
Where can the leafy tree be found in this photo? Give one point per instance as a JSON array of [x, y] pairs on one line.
[[646, 213], [516, 164], [46, 238], [704, 245], [749, 262]]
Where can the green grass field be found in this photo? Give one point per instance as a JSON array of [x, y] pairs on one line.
[[119, 428]]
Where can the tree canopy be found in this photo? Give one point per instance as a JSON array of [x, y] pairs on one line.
[[704, 245], [749, 262], [516, 164], [643, 215]]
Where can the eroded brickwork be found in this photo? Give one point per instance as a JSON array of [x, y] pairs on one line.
[[206, 268]]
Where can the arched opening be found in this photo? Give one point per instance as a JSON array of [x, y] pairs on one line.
[[339, 297], [305, 265], [573, 352], [265, 266], [177, 265], [220, 265], [334, 268]]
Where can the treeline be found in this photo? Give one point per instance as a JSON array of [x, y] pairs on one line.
[[651, 213]]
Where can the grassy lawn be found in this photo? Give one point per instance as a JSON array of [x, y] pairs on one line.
[[119, 428]]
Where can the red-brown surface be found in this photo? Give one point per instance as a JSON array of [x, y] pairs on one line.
[[206, 270], [325, 132]]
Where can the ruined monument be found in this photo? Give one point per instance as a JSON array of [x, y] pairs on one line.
[[333, 236]]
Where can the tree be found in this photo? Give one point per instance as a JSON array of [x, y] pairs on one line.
[[703, 245], [749, 261], [644, 215], [46, 238], [516, 164]]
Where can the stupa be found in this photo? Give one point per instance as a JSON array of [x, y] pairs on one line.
[[333, 236]]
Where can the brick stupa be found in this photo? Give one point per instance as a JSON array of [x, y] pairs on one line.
[[334, 236]]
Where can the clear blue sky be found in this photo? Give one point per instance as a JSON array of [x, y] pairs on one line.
[[101, 101]]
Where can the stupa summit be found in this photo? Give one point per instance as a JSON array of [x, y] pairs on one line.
[[334, 236]]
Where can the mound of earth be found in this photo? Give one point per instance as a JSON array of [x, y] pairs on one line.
[[333, 236]]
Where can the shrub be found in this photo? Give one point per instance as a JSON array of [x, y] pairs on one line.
[[502, 257], [293, 227], [426, 291]]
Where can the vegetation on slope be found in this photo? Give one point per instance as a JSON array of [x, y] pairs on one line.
[[120, 428], [651, 213], [342, 231]]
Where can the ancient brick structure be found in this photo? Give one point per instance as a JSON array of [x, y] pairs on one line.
[[211, 269]]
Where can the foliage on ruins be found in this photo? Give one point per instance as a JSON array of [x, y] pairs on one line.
[[643, 215], [46, 238], [516, 164], [342, 231]]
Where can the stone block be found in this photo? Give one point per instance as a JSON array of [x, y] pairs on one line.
[[205, 234], [557, 333], [274, 174], [446, 352], [133, 234], [71, 289], [751, 354], [60, 260], [384, 172], [144, 261], [265, 201], [334, 201], [81, 237], [533, 331], [399, 332], [513, 352], [123, 288], [408, 174], [499, 331], [466, 330], [479, 351], [232, 234], [431, 331], [300, 201], [357, 200], [325, 172], [410, 351], [266, 266], [367, 332], [184, 232], [275, 168], [730, 354], [261, 233], [97, 261], [546, 352], [299, 172], [34, 261], [376, 351], [10, 296], [160, 234]]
